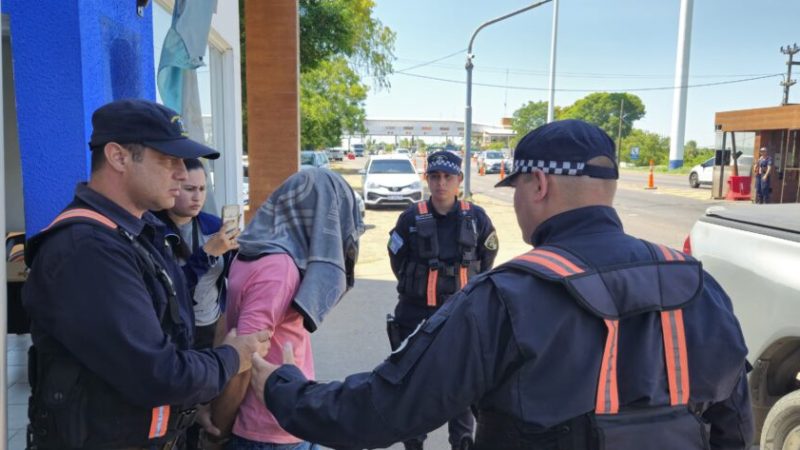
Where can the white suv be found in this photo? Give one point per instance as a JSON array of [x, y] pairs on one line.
[[390, 179]]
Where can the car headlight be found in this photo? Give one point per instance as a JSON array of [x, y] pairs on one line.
[[416, 185], [372, 185]]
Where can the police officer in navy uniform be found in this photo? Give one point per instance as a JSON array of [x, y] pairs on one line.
[[435, 248], [594, 339], [112, 366]]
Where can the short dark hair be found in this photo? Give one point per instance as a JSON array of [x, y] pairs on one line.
[[99, 156], [193, 163]]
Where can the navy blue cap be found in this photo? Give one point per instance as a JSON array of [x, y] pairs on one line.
[[148, 123], [444, 161], [564, 147]]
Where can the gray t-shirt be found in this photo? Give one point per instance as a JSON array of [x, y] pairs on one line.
[[206, 293]]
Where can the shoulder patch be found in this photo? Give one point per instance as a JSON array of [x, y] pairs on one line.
[[395, 242], [491, 242]]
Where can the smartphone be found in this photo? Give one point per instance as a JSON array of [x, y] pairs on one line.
[[231, 215]]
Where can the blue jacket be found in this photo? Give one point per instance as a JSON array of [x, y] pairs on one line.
[[89, 292], [519, 346], [199, 262]]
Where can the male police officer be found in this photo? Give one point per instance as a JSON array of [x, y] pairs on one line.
[[594, 339], [112, 365], [435, 248]]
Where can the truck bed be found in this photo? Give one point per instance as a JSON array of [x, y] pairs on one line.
[[778, 220]]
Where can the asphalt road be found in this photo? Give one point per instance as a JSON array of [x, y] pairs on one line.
[[353, 339]]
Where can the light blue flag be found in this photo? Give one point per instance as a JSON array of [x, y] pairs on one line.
[[184, 47]]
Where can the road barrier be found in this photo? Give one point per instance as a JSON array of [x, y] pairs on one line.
[[650, 181]]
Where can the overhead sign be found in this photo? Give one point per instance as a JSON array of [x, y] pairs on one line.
[[634, 153]]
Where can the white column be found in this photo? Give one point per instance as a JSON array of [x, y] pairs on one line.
[[678, 128], [552, 86]]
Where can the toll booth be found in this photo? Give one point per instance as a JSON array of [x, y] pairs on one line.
[[778, 130]]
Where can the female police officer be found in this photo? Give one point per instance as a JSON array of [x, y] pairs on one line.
[[435, 248]]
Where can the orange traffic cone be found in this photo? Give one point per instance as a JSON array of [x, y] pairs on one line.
[[502, 170], [482, 170], [650, 181]]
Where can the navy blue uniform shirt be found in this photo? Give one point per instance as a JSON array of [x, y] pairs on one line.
[[88, 290], [515, 344], [403, 248]]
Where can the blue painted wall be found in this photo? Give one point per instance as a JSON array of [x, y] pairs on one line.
[[70, 57]]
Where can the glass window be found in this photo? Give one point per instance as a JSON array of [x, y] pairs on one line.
[[391, 166]]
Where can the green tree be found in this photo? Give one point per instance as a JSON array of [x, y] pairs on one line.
[[693, 155], [603, 108], [331, 100], [528, 117], [335, 35], [651, 146], [333, 28]]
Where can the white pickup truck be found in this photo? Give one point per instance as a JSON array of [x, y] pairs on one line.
[[753, 251]]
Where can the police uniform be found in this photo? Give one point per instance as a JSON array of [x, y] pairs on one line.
[[434, 255], [761, 168], [594, 339], [111, 366]]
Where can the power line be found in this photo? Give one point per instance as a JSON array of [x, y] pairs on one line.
[[433, 61], [528, 88], [543, 72]]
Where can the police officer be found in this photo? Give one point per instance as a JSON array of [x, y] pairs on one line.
[[435, 248], [594, 339], [112, 365]]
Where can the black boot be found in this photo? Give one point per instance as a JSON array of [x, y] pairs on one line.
[[466, 443]]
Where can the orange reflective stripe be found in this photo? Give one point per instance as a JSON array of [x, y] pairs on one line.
[[159, 421], [83, 212], [433, 276], [462, 273], [670, 254], [607, 395], [557, 263], [675, 356], [464, 205], [422, 207]]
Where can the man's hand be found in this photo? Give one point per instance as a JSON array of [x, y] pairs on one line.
[[248, 344], [263, 369], [204, 420], [222, 241]]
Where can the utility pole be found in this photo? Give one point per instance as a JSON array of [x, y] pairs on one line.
[[619, 130], [788, 82]]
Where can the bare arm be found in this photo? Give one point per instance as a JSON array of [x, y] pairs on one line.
[[225, 407]]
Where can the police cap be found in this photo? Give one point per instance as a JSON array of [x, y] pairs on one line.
[[564, 147]]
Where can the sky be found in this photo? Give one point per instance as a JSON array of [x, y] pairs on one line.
[[602, 46]]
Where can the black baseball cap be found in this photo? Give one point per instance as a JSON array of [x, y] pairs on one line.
[[564, 147], [147, 123]]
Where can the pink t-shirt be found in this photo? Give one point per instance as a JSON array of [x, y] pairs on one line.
[[260, 296]]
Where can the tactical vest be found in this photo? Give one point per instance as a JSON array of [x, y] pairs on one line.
[[422, 272], [71, 407], [675, 426]]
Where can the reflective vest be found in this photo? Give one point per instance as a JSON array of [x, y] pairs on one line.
[[70, 407], [611, 426], [428, 262]]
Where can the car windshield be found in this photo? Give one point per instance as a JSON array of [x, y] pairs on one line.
[[494, 155], [307, 158], [391, 166]]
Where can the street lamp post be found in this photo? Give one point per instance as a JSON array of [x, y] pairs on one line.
[[468, 119]]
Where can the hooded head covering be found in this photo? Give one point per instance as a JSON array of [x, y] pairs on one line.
[[314, 218]]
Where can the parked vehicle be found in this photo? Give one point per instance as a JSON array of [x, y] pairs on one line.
[[403, 151], [390, 179], [335, 154], [310, 159], [491, 160], [358, 149], [703, 172], [753, 251]]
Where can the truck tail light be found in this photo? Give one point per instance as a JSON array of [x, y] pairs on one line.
[[687, 245]]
